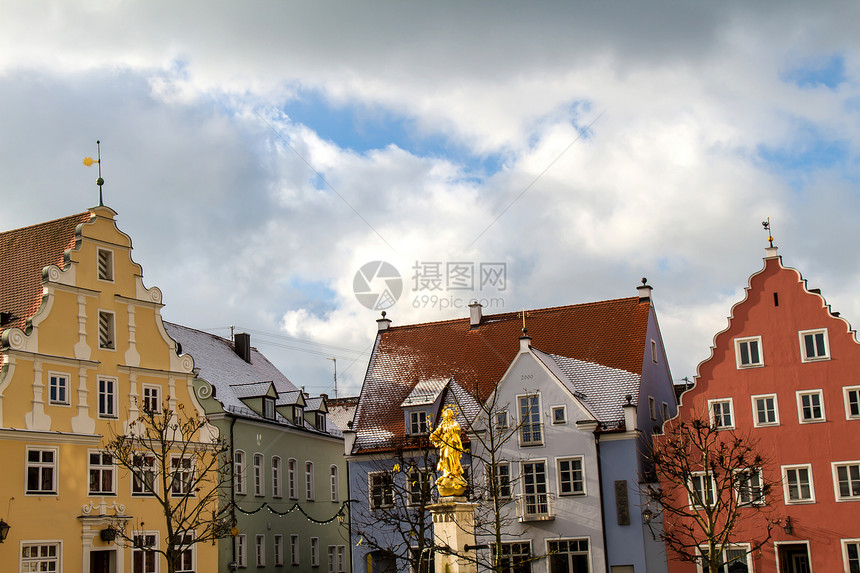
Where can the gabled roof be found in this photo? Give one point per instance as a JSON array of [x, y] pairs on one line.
[[252, 389], [24, 253], [610, 333]]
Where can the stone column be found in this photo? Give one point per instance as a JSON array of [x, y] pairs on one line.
[[454, 527]]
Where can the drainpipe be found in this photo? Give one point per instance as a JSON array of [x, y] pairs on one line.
[[232, 486], [602, 499]]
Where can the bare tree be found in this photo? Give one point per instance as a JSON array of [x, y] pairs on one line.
[[184, 477], [711, 488]]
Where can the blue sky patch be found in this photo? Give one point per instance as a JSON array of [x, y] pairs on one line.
[[809, 151], [828, 72]]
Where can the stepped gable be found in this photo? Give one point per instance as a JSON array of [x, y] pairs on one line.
[[610, 333], [24, 253]]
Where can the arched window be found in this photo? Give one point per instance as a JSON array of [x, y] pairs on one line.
[[291, 478], [334, 488], [309, 481], [259, 485], [276, 476]]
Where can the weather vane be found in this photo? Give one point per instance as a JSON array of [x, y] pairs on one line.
[[523, 315], [766, 225], [88, 161]]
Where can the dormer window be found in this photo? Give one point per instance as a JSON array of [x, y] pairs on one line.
[[320, 422], [418, 422], [268, 408], [298, 415]]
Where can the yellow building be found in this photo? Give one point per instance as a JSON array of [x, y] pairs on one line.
[[82, 349]]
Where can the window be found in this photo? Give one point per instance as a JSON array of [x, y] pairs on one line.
[[531, 431], [381, 490], [183, 476], [748, 352], [294, 549], [42, 470], [315, 551], [276, 477], [107, 397], [239, 472], [810, 406], [665, 411], [733, 559], [652, 408], [41, 556], [337, 559], [559, 415], [425, 558], [535, 500], [107, 330], [851, 555], [259, 486], [151, 399], [268, 408], [144, 558], [279, 549], [721, 414], [814, 345], [847, 477], [703, 490], [571, 479], [260, 550], [58, 388], [798, 484], [185, 554], [420, 483], [241, 550], [309, 481], [654, 351], [291, 478], [852, 403], [101, 472], [418, 423], [765, 411], [569, 555], [320, 422], [335, 486], [105, 265], [298, 416], [501, 419], [516, 557], [143, 475], [748, 484], [502, 477]]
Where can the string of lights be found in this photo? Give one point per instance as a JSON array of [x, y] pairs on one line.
[[339, 514]]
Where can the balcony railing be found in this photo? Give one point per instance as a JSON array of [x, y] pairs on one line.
[[536, 507], [531, 434]]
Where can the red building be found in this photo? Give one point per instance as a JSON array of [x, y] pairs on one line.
[[786, 372]]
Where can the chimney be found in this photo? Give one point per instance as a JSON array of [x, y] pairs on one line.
[[644, 291], [242, 345], [383, 323], [475, 314], [525, 341]]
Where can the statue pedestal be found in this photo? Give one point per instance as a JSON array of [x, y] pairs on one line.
[[454, 527]]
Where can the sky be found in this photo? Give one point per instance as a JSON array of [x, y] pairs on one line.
[[270, 159]]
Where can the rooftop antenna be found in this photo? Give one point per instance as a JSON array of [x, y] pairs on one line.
[[89, 161], [335, 376], [766, 225]]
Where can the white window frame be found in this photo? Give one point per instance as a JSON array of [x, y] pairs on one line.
[[38, 559], [846, 392], [738, 353], [722, 402], [260, 549], [310, 485], [559, 540], [192, 550], [182, 485], [846, 565], [386, 499], [107, 254], [508, 551], [315, 551], [106, 333], [815, 392], [294, 549], [708, 480], [504, 485], [804, 356], [414, 488], [151, 398], [259, 482], [292, 470], [268, 407], [240, 479], [419, 422], [756, 493], [502, 419], [560, 472], [63, 388], [277, 489], [278, 543], [836, 489], [334, 472], [147, 546], [53, 466], [242, 550], [754, 401], [785, 481], [555, 420], [538, 502], [527, 428], [728, 547], [100, 468], [138, 475], [107, 397]]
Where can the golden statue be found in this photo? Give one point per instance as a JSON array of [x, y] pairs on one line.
[[446, 437]]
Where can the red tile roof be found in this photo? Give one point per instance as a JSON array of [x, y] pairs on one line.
[[23, 254], [611, 333]]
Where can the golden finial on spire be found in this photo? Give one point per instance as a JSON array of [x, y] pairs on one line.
[[523, 315], [766, 225], [88, 161]]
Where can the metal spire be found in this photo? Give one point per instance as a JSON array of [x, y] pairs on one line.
[[89, 161]]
